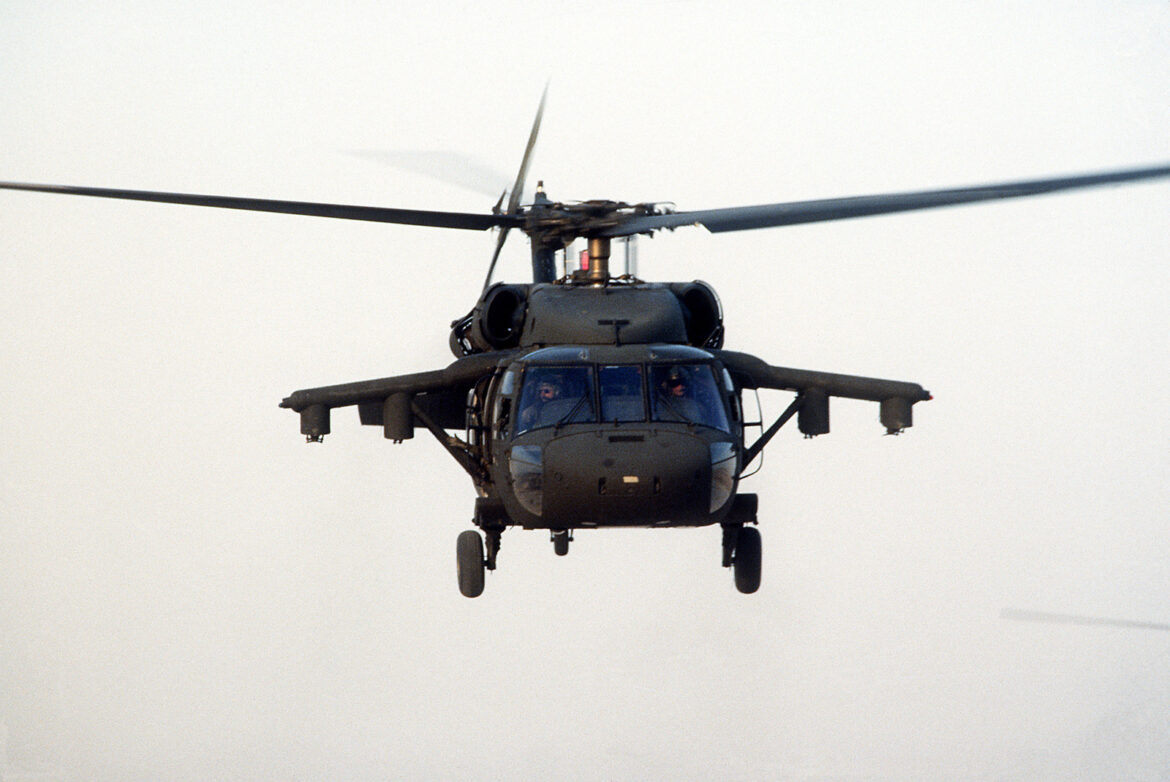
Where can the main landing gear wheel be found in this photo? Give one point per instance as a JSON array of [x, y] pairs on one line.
[[747, 560], [469, 558], [560, 539]]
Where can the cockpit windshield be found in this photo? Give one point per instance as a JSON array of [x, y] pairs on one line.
[[621, 393], [686, 393], [560, 395], [554, 396]]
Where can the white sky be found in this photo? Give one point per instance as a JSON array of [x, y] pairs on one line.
[[187, 591]]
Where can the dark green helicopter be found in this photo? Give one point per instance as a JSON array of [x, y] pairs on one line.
[[590, 399]]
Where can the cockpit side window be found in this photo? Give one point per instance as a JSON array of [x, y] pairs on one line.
[[622, 397], [555, 396], [687, 393], [733, 401], [502, 409]]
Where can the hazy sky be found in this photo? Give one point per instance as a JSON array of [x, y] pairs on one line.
[[188, 591]]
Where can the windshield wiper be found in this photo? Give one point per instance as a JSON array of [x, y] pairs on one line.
[[666, 401], [570, 414]]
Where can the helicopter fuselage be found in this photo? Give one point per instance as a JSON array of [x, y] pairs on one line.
[[593, 436], [589, 405]]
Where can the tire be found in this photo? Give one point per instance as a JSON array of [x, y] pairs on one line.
[[469, 559], [561, 543], [747, 560]]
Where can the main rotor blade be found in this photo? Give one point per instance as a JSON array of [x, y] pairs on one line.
[[518, 187], [743, 218], [495, 257], [375, 214], [1073, 619]]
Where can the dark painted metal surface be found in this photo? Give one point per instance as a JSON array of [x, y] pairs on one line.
[[645, 314], [462, 373], [623, 476], [752, 372]]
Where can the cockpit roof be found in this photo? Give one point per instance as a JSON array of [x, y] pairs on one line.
[[572, 354]]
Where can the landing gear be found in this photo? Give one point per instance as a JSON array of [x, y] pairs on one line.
[[493, 547], [560, 539], [469, 551], [470, 562], [747, 560], [741, 543]]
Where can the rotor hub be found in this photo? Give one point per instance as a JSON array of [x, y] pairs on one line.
[[556, 224]]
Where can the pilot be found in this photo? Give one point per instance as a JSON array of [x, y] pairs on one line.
[[674, 385], [677, 401], [546, 391]]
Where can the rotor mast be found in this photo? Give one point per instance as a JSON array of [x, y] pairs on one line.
[[544, 248], [598, 260]]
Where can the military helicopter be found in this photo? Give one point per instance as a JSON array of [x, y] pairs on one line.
[[589, 399]]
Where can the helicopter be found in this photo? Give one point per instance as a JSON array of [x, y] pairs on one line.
[[590, 399]]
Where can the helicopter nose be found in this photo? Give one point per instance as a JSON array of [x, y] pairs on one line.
[[626, 478]]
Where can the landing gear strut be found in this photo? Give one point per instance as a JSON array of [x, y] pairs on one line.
[[493, 547]]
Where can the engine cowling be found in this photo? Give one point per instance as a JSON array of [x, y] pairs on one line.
[[495, 324], [686, 313], [701, 312]]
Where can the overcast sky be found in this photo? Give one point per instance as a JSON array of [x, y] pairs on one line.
[[189, 591]]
